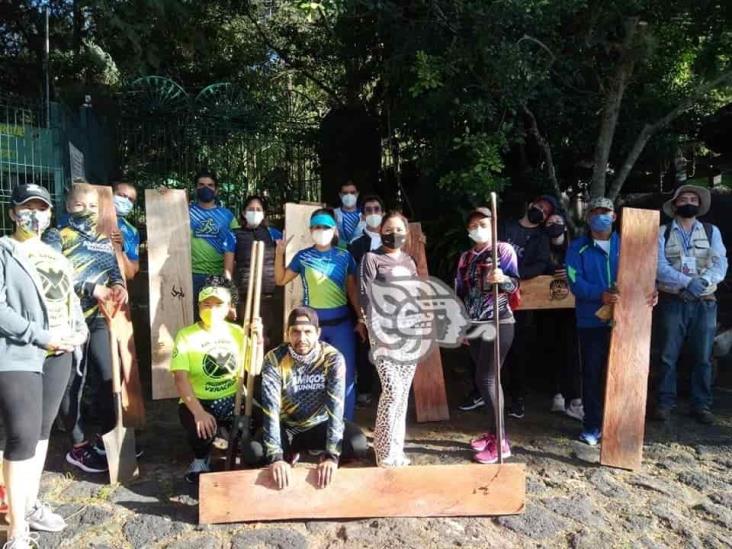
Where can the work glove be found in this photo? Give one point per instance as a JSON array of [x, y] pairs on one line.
[[697, 286]]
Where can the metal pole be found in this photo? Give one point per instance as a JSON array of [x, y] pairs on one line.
[[46, 71], [498, 404]]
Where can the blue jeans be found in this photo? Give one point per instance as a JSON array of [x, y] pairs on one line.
[[594, 349], [336, 328], [694, 323]]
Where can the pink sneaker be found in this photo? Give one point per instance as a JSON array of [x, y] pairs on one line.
[[490, 454], [479, 444]]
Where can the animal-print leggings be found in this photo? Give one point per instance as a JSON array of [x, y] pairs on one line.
[[391, 414]]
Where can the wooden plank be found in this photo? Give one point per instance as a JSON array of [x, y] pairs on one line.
[[171, 284], [360, 492], [297, 233], [546, 292], [133, 402], [430, 396], [627, 375]]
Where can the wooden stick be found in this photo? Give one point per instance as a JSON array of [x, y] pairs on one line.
[[498, 404]]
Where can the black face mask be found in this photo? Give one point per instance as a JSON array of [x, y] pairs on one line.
[[535, 215], [555, 230], [393, 240], [687, 210]]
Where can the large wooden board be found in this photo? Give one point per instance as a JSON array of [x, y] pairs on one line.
[[133, 402], [627, 373], [297, 233], [171, 284], [359, 492], [546, 292], [430, 396]]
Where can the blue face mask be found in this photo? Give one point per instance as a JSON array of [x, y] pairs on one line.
[[601, 223], [122, 205], [205, 194]]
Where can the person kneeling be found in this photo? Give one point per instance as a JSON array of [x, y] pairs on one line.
[[205, 359], [303, 390]]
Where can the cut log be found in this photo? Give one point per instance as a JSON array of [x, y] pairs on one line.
[[297, 233], [133, 402], [546, 292], [361, 492], [171, 283], [630, 343], [430, 396]]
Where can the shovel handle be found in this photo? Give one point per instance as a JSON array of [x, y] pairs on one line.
[[498, 405]]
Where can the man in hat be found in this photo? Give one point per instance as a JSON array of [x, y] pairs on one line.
[[692, 260], [303, 393]]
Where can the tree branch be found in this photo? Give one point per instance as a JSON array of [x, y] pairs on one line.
[[649, 129]]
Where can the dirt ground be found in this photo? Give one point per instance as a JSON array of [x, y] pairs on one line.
[[682, 496]]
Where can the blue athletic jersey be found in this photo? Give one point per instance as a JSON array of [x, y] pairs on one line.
[[130, 239], [211, 237], [324, 276], [350, 222]]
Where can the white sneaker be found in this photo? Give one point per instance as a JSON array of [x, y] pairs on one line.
[[26, 540], [576, 410], [558, 403], [41, 518]]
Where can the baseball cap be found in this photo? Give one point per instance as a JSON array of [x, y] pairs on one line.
[[601, 202], [297, 312], [482, 211], [219, 292], [23, 193]]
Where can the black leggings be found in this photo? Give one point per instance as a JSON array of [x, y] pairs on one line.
[[485, 369], [29, 402], [354, 446], [96, 376]]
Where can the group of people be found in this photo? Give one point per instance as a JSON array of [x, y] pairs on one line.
[[56, 285]]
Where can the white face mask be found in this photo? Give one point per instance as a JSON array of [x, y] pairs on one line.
[[480, 235], [349, 200], [254, 217], [374, 220], [323, 237]]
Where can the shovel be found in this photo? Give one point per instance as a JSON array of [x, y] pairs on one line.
[[119, 443]]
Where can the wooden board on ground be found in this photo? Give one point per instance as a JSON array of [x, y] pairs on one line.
[[546, 292], [630, 344], [361, 492], [133, 402], [430, 396], [171, 284], [297, 233]]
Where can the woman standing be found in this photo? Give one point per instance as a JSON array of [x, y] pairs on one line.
[[40, 324], [329, 281], [474, 281], [254, 227], [386, 264]]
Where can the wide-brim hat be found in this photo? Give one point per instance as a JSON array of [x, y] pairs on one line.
[[705, 199]]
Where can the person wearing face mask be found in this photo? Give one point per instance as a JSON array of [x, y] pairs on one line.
[[41, 323], [254, 227], [557, 325], [348, 217], [127, 237], [692, 260], [328, 277], [592, 270], [531, 243], [212, 241], [474, 281], [97, 279], [204, 363], [383, 265]]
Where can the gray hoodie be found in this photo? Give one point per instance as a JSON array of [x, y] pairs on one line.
[[24, 335]]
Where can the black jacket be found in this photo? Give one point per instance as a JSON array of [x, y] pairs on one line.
[[531, 246]]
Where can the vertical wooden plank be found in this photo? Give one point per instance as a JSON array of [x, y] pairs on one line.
[[171, 284], [133, 402], [430, 396], [627, 373], [297, 233]]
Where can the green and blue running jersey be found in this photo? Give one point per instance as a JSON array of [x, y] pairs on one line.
[[324, 276], [211, 238], [130, 239], [299, 396]]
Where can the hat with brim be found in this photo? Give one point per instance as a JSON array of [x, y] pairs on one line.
[[705, 199], [25, 193], [480, 212], [218, 292]]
